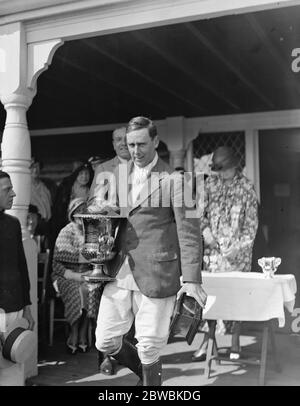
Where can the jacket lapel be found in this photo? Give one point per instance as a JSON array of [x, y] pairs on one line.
[[148, 189], [122, 182]]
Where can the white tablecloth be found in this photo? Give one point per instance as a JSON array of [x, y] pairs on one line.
[[248, 296]]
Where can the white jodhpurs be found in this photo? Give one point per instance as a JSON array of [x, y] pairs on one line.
[[119, 308]]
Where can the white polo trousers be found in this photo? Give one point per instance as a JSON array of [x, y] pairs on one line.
[[120, 307]]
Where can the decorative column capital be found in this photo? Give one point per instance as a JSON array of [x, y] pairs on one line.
[[21, 99], [40, 55]]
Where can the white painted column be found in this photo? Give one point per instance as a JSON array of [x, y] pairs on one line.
[[16, 98], [189, 157], [16, 153], [177, 158], [20, 66], [174, 136], [252, 159]]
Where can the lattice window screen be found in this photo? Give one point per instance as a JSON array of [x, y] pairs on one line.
[[206, 143]]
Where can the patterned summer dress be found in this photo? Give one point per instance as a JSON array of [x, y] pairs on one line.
[[230, 213]]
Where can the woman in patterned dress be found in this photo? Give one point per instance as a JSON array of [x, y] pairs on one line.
[[229, 223], [68, 269]]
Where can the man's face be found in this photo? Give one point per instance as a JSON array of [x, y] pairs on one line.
[[141, 147], [119, 143], [6, 194], [83, 177]]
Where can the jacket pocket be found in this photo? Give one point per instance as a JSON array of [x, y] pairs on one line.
[[163, 256]]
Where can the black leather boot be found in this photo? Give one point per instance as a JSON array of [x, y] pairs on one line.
[[128, 356], [152, 374], [105, 364]]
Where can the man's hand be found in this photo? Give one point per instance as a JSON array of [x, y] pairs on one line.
[[27, 315], [195, 290]]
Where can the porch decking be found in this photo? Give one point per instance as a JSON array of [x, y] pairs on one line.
[[57, 368]]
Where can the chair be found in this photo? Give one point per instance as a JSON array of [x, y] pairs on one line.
[[54, 302], [45, 297], [267, 334], [43, 272], [57, 301], [43, 276]]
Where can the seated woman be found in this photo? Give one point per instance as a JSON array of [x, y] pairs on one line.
[[81, 301]]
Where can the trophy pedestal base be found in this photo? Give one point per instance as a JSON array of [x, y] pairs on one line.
[[98, 279], [98, 275]]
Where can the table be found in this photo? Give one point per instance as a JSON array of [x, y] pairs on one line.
[[248, 296]]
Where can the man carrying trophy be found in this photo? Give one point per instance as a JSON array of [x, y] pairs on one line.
[[157, 245]]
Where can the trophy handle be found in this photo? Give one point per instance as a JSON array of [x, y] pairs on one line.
[[261, 262], [116, 231], [277, 262]]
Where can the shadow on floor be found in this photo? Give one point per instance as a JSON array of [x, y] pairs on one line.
[[57, 368]]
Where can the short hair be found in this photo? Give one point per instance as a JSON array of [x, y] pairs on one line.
[[4, 175], [138, 123], [33, 209], [35, 161]]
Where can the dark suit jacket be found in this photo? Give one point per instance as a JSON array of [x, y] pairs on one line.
[[161, 242], [14, 279]]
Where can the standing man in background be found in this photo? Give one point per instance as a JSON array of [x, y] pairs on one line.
[[40, 194], [97, 192], [122, 157]]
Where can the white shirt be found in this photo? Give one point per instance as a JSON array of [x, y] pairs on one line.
[[138, 178], [122, 160]]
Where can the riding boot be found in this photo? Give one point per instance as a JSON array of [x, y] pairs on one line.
[[152, 374], [128, 356], [105, 364]]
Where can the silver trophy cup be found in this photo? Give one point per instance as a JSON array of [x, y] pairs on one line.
[[100, 234], [269, 265]]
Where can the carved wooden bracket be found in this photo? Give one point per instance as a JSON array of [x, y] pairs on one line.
[[40, 56]]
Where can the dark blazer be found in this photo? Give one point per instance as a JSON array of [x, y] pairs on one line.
[[161, 242], [14, 279]]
